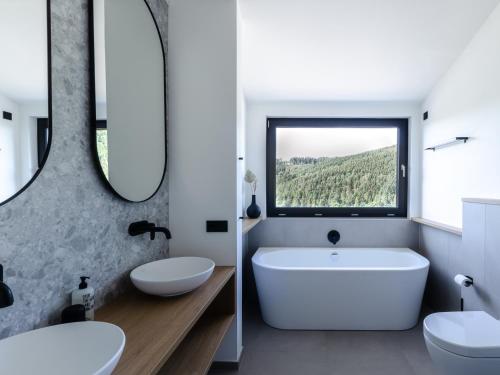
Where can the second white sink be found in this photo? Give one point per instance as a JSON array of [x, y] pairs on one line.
[[173, 276], [83, 348]]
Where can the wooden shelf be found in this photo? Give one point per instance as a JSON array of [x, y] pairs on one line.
[[155, 327], [197, 351], [248, 224], [434, 224]]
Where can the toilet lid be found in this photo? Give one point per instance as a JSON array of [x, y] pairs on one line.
[[467, 333]]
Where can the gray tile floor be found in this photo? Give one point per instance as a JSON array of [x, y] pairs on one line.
[[276, 352]]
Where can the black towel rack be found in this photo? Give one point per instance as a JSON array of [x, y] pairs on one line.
[[448, 143]]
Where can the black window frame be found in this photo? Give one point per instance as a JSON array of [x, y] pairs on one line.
[[402, 164], [42, 139]]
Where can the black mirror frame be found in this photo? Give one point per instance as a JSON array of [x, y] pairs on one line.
[[92, 104], [49, 111]]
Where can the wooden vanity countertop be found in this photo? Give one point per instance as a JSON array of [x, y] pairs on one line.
[[156, 326]]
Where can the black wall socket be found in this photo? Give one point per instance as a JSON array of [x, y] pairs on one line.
[[217, 226]]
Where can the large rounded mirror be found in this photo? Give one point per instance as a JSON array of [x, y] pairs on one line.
[[128, 90], [25, 124]]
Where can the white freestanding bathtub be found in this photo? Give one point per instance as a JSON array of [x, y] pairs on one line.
[[340, 288]]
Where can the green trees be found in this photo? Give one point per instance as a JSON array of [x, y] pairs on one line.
[[102, 150], [362, 180]]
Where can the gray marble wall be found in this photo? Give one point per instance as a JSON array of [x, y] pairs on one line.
[[66, 223], [476, 253]]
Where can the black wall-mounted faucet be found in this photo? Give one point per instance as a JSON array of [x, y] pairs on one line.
[[6, 296], [333, 236], [142, 227]]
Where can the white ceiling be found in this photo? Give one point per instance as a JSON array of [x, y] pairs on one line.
[[23, 49], [353, 49]]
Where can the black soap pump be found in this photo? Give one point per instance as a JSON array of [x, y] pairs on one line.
[[6, 296]]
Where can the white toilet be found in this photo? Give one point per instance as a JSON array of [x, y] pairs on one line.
[[463, 342]]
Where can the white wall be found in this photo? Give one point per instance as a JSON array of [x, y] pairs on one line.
[[240, 152], [28, 143], [256, 135], [202, 146], [8, 148], [18, 144], [465, 102]]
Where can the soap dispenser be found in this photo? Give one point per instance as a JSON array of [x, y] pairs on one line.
[[84, 295]]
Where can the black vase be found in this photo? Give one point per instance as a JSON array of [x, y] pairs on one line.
[[253, 211]]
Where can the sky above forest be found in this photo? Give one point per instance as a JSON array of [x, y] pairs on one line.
[[331, 142]]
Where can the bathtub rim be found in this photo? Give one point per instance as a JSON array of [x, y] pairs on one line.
[[423, 262]]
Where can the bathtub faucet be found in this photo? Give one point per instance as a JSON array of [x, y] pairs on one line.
[[333, 236]]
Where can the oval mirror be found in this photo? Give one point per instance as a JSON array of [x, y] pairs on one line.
[[128, 97], [25, 123]]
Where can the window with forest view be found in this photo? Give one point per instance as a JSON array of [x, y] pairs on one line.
[[337, 167]]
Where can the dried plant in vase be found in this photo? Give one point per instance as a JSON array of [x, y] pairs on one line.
[[253, 211]]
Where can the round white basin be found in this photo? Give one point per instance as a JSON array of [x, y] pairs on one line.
[[173, 276], [83, 348]]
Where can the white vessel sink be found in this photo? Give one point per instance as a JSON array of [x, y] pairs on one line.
[[83, 348], [173, 276]]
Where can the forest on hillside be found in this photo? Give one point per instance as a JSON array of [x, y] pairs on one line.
[[367, 179]]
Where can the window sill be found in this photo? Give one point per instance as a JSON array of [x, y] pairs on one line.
[[434, 224], [489, 201]]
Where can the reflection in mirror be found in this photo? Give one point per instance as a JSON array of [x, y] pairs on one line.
[[24, 94], [129, 89]]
